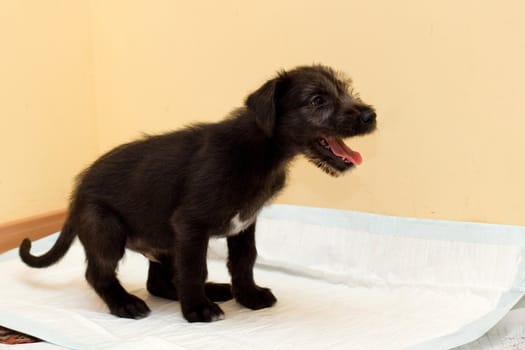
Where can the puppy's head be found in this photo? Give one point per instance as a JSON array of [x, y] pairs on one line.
[[311, 109]]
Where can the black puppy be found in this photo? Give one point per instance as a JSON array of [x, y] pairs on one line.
[[166, 195]]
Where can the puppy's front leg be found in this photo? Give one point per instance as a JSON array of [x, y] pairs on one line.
[[190, 260], [241, 258]]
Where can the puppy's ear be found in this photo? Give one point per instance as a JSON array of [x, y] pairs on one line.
[[263, 103]]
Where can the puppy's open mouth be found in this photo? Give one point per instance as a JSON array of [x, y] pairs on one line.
[[339, 149], [332, 155]]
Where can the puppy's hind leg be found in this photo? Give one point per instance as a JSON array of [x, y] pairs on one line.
[[161, 282], [104, 239], [160, 279], [218, 291]]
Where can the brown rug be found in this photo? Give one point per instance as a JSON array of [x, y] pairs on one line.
[[8, 336]]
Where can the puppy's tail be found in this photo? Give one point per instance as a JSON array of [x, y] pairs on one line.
[[56, 253]]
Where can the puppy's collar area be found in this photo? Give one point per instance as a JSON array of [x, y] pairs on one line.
[[341, 150]]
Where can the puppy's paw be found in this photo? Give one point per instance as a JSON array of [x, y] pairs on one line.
[[130, 307], [255, 297], [205, 311]]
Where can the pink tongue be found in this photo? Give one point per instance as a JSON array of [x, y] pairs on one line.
[[340, 149]]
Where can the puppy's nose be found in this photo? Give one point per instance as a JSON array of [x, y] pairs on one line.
[[367, 116]]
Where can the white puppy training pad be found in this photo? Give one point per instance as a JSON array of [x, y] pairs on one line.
[[343, 280], [508, 334]]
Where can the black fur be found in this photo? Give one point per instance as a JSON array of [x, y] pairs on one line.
[[166, 195]]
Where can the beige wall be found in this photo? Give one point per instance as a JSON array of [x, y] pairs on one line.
[[46, 103], [446, 78]]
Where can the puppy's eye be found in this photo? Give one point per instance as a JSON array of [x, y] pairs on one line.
[[317, 100]]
